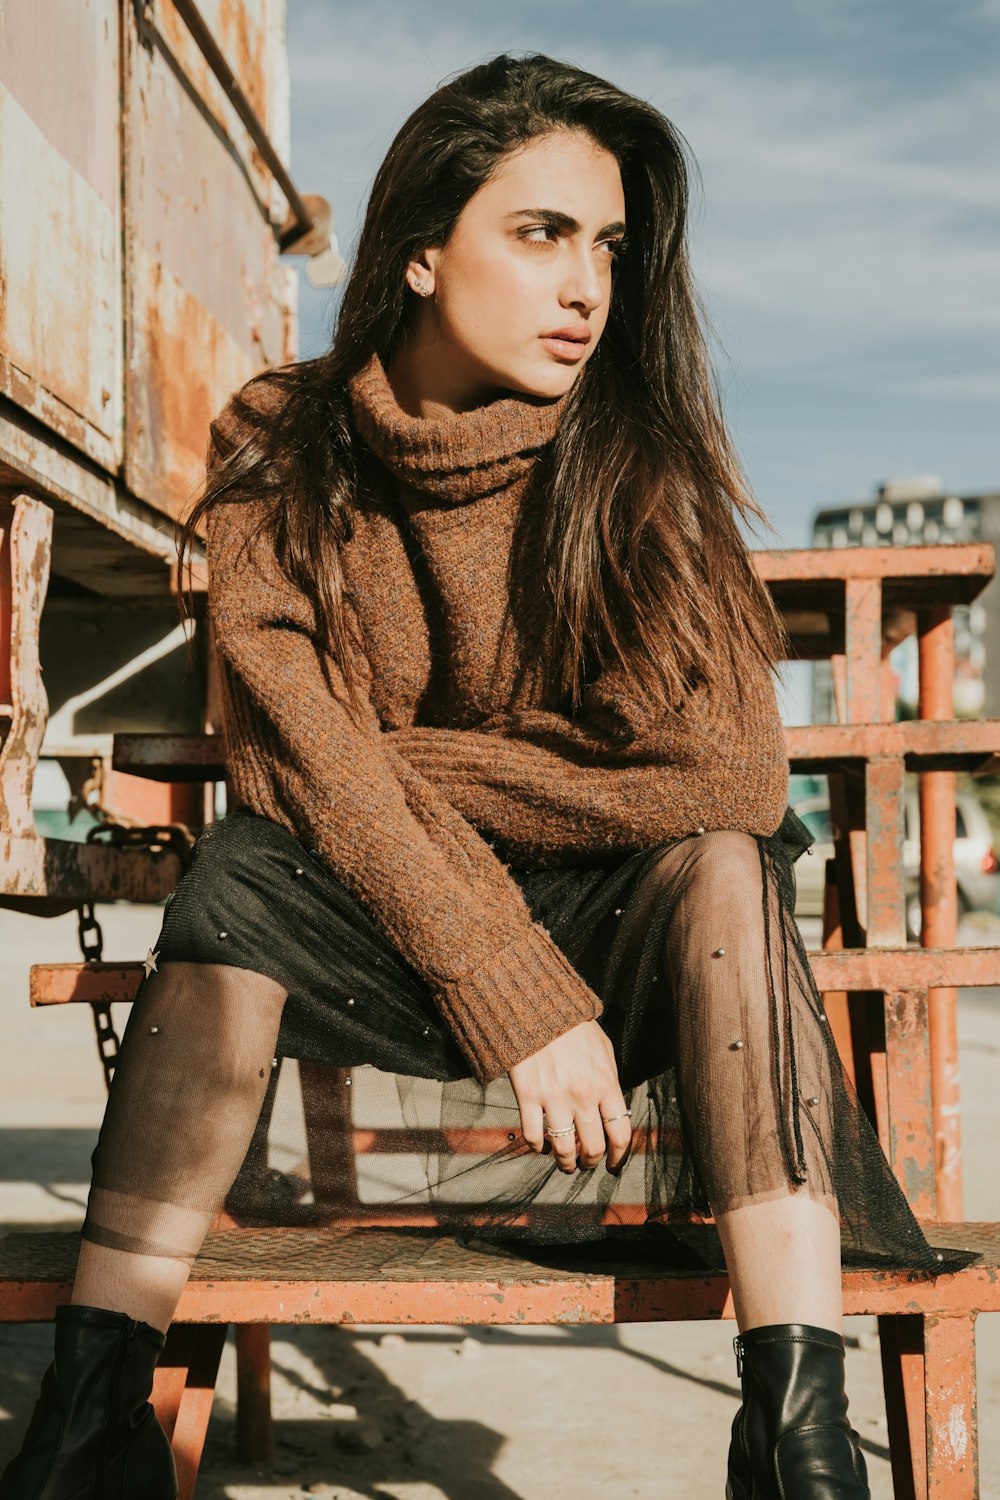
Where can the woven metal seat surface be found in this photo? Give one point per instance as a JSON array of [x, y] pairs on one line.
[[418, 1275], [337, 1253]]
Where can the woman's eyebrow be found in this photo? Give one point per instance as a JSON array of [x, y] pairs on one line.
[[557, 220]]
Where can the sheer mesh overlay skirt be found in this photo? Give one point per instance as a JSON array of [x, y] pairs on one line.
[[284, 1065]]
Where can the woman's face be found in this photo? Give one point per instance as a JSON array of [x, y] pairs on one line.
[[520, 292]]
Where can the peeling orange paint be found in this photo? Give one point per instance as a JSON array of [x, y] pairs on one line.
[[147, 232]]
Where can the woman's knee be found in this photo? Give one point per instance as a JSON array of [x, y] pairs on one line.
[[715, 935], [725, 854], [723, 860], [215, 1022]]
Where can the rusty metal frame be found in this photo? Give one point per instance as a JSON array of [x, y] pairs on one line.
[[938, 901], [349, 1274], [183, 1392], [351, 1277], [900, 1041]]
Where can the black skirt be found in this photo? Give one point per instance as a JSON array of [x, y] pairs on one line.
[[724, 1052]]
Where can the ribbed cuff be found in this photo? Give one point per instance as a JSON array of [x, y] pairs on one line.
[[516, 1000]]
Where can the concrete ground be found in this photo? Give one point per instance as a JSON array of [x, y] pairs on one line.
[[635, 1410]]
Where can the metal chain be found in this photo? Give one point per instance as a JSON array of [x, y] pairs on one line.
[[153, 838], [92, 947]]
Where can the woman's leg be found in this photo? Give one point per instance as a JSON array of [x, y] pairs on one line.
[[753, 1081], [783, 1259], [756, 1086], [186, 1094]]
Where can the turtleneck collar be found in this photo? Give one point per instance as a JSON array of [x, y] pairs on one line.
[[456, 458]]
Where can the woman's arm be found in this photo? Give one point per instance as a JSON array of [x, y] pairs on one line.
[[428, 878], [616, 778]]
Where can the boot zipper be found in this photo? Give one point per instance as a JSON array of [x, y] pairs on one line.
[[115, 1403], [741, 1431]]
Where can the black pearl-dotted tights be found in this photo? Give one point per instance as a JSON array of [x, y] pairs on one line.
[[186, 1095], [750, 1043]]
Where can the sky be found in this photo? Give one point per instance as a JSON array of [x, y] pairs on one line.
[[844, 235]]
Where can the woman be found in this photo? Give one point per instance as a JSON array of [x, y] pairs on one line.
[[509, 829]]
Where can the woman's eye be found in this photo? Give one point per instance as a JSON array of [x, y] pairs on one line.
[[542, 234], [536, 229]]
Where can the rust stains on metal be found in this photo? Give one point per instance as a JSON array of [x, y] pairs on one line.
[[243, 39], [939, 900], [889, 969], [27, 528], [168, 417], [863, 648], [884, 788], [60, 265], [944, 560], [206, 299], [952, 1415], [970, 744], [48, 409]]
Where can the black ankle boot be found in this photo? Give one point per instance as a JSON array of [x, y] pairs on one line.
[[93, 1432], [791, 1437]]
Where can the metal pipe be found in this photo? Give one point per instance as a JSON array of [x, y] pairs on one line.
[[212, 53], [939, 904]]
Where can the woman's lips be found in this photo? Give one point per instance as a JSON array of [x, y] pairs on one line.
[[570, 349]]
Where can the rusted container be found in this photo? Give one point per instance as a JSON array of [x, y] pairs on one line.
[[145, 206]]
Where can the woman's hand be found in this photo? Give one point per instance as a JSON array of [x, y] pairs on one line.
[[573, 1080]]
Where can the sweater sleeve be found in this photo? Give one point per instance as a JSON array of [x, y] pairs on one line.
[[619, 776], [427, 877]]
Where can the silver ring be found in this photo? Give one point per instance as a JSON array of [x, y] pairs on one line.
[[609, 1118]]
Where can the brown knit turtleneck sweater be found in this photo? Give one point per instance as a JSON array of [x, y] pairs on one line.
[[458, 748]]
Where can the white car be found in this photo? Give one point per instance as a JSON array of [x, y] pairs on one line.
[[977, 869]]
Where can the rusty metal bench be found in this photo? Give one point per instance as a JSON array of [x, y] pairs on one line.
[[409, 1275], [892, 1010]]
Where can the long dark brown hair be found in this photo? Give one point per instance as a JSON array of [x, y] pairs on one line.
[[645, 566]]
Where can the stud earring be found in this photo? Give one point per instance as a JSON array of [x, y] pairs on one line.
[[422, 288]]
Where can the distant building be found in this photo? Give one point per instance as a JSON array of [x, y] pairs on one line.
[[914, 512]]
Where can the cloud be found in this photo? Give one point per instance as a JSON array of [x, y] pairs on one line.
[[833, 216], [960, 387]]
